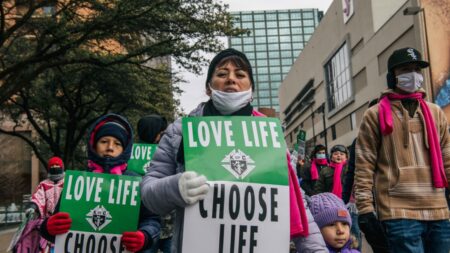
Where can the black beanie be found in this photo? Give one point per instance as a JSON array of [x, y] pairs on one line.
[[113, 129], [224, 54], [149, 127]]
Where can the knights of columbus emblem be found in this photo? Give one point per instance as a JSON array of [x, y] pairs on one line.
[[238, 163], [98, 218]]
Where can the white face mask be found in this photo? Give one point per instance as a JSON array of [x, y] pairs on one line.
[[321, 156], [229, 102], [409, 82]]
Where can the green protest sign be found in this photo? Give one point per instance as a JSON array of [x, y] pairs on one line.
[[301, 136], [141, 155], [102, 207], [247, 207]]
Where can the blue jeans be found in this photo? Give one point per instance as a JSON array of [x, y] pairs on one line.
[[354, 230], [418, 236], [162, 244]]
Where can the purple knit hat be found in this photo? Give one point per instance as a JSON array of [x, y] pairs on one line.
[[327, 208]]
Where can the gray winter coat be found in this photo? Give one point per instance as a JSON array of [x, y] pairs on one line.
[[160, 193]]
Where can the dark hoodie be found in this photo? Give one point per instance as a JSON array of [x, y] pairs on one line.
[[107, 163], [149, 223]]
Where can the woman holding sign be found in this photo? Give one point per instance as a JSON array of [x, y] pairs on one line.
[[109, 148], [167, 186]]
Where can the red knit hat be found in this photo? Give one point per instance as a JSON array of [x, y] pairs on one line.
[[55, 161]]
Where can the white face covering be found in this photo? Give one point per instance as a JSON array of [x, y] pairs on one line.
[[229, 102], [409, 82]]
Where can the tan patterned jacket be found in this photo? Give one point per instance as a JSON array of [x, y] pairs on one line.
[[397, 166]]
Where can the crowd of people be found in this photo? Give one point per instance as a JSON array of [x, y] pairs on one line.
[[390, 183]]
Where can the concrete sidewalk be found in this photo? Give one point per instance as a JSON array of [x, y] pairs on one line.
[[5, 238]]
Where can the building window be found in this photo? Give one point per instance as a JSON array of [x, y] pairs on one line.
[[248, 40], [264, 93], [272, 31], [333, 132], [238, 47], [274, 62], [274, 54], [285, 38], [250, 55], [235, 41], [262, 70], [247, 25], [272, 24], [287, 62], [263, 78], [246, 18], [337, 76], [308, 15], [259, 25], [296, 30], [285, 31], [249, 48], [261, 55], [273, 47], [308, 22], [285, 46], [286, 54], [275, 78], [296, 23], [272, 39], [297, 46], [261, 47], [309, 30], [271, 16], [262, 63], [353, 121], [260, 39], [283, 16], [258, 17], [263, 85], [284, 23], [295, 15]]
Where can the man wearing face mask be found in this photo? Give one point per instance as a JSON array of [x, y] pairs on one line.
[[403, 152], [310, 171], [46, 196], [48, 191]]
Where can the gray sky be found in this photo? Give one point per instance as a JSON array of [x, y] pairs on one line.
[[194, 91]]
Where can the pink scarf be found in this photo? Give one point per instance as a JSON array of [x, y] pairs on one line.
[[299, 220], [337, 184], [314, 170], [386, 125], [99, 169]]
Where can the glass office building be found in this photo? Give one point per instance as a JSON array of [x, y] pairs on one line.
[[274, 41]]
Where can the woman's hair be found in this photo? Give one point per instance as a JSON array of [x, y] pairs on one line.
[[234, 56], [237, 61]]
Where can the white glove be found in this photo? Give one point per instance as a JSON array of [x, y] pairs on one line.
[[193, 187]]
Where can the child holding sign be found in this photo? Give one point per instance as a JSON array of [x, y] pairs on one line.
[[109, 148], [167, 186]]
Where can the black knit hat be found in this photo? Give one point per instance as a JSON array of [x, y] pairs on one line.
[[227, 53], [150, 126], [406, 55], [113, 129]]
